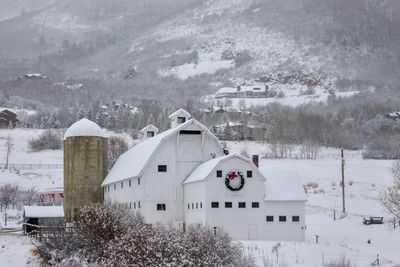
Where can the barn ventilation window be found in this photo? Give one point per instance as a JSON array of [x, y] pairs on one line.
[[282, 218], [130, 183], [228, 204], [270, 218], [134, 205], [255, 204], [188, 206], [201, 205], [295, 218], [214, 205], [138, 181], [219, 173], [162, 168], [181, 119], [161, 206], [191, 132], [122, 185], [249, 174], [242, 205], [150, 134], [197, 205]]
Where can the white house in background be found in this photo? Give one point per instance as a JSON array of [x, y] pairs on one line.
[[243, 91], [183, 176], [148, 131]]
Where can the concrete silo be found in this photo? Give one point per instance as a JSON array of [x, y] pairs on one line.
[[85, 166]]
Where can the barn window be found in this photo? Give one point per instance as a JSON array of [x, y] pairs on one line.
[[188, 206], [150, 134], [181, 119], [197, 205], [255, 204], [130, 205], [219, 173], [130, 183], [249, 174], [108, 188], [161, 206], [138, 181], [214, 205], [228, 204], [282, 218], [270, 218], [139, 205], [192, 206], [115, 186], [295, 218], [162, 168], [201, 205], [190, 132], [242, 205], [134, 205], [122, 185]]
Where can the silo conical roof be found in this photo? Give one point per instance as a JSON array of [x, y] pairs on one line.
[[84, 127]]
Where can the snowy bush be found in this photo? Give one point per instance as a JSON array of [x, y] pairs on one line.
[[111, 236], [47, 140]]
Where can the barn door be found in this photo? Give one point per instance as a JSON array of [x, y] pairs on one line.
[[253, 234]]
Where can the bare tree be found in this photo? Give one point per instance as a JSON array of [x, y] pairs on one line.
[[390, 199], [116, 147], [8, 194], [9, 147], [29, 195]]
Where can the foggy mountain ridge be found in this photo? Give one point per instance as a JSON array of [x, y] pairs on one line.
[[188, 45]]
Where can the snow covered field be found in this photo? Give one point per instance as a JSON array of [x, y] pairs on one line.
[[345, 236], [16, 251]]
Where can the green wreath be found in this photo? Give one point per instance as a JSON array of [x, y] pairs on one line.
[[231, 176]]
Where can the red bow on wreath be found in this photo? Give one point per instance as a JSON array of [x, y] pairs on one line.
[[233, 175]]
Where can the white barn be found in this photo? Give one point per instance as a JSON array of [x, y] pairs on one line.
[[183, 176]]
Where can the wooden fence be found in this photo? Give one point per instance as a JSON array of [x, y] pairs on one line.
[[48, 232], [28, 166]]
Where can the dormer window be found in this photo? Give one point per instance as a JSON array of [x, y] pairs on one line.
[[150, 133], [181, 119]]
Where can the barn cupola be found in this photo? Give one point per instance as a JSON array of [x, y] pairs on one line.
[[148, 131], [178, 117]]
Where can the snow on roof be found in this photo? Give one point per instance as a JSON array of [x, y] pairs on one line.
[[225, 90], [284, 185], [179, 112], [253, 88], [84, 127], [203, 170], [131, 163], [44, 211], [149, 127]]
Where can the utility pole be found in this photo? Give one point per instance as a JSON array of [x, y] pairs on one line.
[[343, 197]]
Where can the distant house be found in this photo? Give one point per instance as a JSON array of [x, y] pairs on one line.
[[394, 115], [33, 76], [8, 119], [244, 91]]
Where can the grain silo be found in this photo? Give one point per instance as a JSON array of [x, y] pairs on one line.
[[85, 166]]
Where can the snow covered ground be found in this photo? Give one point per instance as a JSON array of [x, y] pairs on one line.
[[345, 236], [17, 250]]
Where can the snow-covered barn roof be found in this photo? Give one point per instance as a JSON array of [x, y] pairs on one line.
[[203, 170], [84, 127], [43, 211], [131, 163], [179, 112], [284, 185]]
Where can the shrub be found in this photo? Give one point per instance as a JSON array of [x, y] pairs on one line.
[[47, 140], [111, 236]]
